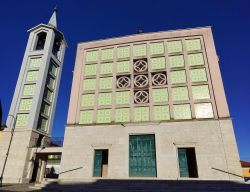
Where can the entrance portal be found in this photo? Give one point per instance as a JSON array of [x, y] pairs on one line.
[[100, 163]]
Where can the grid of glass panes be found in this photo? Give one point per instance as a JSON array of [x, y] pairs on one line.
[[182, 60]]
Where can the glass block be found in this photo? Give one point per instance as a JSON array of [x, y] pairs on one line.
[[51, 82], [123, 52], [25, 104], [86, 117], [104, 116], [123, 67], [195, 59], [156, 48], [182, 111], [105, 99], [48, 95], [139, 50], [141, 114], [52, 69], [158, 63], [106, 83], [198, 75], [29, 90], [201, 92], [180, 93], [178, 77], [88, 100], [22, 120], [90, 70], [91, 56], [32, 76], [107, 54], [174, 46], [35, 62], [176, 61], [122, 115], [89, 84], [45, 109], [161, 113], [160, 95], [203, 110], [42, 124], [106, 68], [123, 97], [193, 44]]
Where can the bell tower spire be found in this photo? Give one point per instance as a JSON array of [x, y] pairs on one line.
[[52, 20]]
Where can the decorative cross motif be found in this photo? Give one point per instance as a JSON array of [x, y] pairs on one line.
[[159, 79], [141, 97], [140, 66], [123, 82], [141, 81]]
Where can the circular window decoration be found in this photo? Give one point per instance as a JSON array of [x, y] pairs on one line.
[[159, 79], [123, 82], [141, 81], [141, 97], [140, 66]]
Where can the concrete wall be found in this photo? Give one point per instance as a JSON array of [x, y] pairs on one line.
[[213, 140]]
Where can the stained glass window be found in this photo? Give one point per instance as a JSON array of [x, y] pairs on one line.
[[106, 68], [29, 90], [52, 69], [141, 114], [193, 44], [123, 67], [160, 95], [51, 82], [180, 93], [45, 109], [176, 61], [123, 52], [25, 104], [203, 110], [32, 76], [86, 117], [174, 46], [88, 100], [195, 59], [22, 120], [122, 97], [89, 84], [182, 111], [139, 50], [91, 56], [161, 113], [178, 77], [48, 95], [198, 75], [105, 99], [106, 83], [104, 116], [122, 115], [90, 70], [156, 48], [107, 54], [200, 92], [42, 124], [35, 62], [158, 63]]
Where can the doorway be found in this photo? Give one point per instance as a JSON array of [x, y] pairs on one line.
[[100, 163]]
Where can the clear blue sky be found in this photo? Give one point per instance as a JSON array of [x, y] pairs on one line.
[[98, 19]]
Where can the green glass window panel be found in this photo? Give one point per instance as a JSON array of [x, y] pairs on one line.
[[203, 110], [195, 59], [48, 95], [193, 44], [122, 115], [90, 70], [88, 100], [160, 95], [45, 109], [123, 52], [104, 116], [174, 46], [105, 99], [91, 56], [106, 83], [123, 67], [176, 61], [198, 75], [183, 164], [158, 63], [178, 77], [22, 120], [52, 69], [107, 54], [51, 82], [97, 170], [161, 113], [182, 111], [25, 104], [29, 90], [42, 124], [32, 76], [201, 92], [180, 93], [156, 48], [106, 68], [35, 62], [139, 50], [86, 117], [141, 114], [122, 97], [89, 84]]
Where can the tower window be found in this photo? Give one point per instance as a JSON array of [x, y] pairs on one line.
[[41, 38], [56, 47]]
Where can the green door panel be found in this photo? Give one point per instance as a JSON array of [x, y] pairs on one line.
[[183, 166], [97, 171]]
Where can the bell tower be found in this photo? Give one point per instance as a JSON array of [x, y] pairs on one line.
[[34, 102]]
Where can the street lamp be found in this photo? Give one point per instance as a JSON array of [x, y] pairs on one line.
[[8, 150]]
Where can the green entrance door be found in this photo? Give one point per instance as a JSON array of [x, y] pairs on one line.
[[142, 159], [183, 165]]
